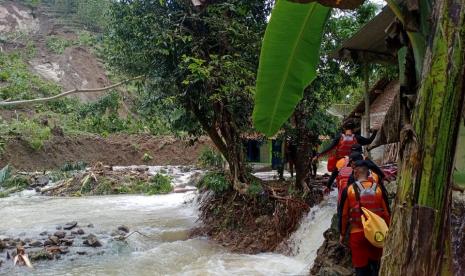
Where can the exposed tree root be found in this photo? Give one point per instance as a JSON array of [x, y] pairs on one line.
[[253, 224]]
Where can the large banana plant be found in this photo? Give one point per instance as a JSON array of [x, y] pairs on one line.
[[288, 61]]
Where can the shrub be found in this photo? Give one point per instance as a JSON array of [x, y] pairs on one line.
[[104, 187], [58, 44], [210, 158], [33, 133], [215, 181], [76, 166], [159, 184], [147, 157]]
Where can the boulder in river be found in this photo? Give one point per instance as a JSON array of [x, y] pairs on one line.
[[45, 233], [91, 240], [54, 239], [40, 255], [123, 228], [78, 232], [67, 242], [60, 234], [70, 225], [36, 243], [40, 181]]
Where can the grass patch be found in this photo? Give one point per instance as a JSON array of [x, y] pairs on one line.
[[210, 159], [57, 44]]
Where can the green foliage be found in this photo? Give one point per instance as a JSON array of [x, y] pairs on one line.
[[5, 174], [158, 184], [9, 181], [210, 158], [255, 188], [102, 116], [215, 181], [200, 64], [30, 131], [76, 166], [147, 157], [86, 38], [17, 82], [58, 44], [288, 61], [92, 14], [335, 79], [104, 187]]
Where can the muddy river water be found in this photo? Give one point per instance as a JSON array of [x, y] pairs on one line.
[[165, 250]]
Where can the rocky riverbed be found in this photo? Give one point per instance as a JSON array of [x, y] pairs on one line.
[[71, 239]]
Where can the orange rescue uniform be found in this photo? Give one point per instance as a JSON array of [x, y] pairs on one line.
[[362, 250]]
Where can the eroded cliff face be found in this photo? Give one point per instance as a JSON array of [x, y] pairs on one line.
[[77, 66]]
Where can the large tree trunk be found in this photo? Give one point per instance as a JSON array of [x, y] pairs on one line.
[[305, 139], [419, 240], [226, 137]]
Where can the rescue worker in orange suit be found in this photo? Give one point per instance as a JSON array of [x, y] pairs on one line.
[[341, 147], [363, 193]]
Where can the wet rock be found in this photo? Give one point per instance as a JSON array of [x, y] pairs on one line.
[[90, 225], [4, 238], [78, 232], [48, 243], [58, 227], [54, 239], [36, 243], [123, 228], [335, 270], [70, 225], [40, 255], [45, 233], [195, 179], [81, 252], [91, 240], [118, 233], [67, 242], [2, 245], [60, 234], [40, 181], [27, 240]]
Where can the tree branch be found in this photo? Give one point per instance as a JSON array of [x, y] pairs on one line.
[[74, 91]]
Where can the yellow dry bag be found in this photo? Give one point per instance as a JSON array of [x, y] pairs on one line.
[[374, 227]]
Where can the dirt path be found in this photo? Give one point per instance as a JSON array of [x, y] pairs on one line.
[[115, 150]]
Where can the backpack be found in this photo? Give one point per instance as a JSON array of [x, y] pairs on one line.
[[375, 228]]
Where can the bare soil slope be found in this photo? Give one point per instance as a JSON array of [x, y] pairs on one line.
[[114, 150]]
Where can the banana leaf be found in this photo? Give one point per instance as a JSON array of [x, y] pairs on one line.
[[288, 61]]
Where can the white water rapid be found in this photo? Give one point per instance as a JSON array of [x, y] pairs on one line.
[[165, 219]]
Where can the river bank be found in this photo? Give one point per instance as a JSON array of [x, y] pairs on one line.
[[117, 149], [165, 246], [164, 224]]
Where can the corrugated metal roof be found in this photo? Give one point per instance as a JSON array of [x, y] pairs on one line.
[[369, 41]]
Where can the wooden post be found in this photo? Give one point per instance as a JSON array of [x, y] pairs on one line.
[[367, 100]]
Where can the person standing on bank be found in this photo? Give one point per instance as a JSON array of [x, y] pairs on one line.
[[341, 147]]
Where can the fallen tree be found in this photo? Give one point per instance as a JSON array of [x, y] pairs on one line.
[[67, 93]]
